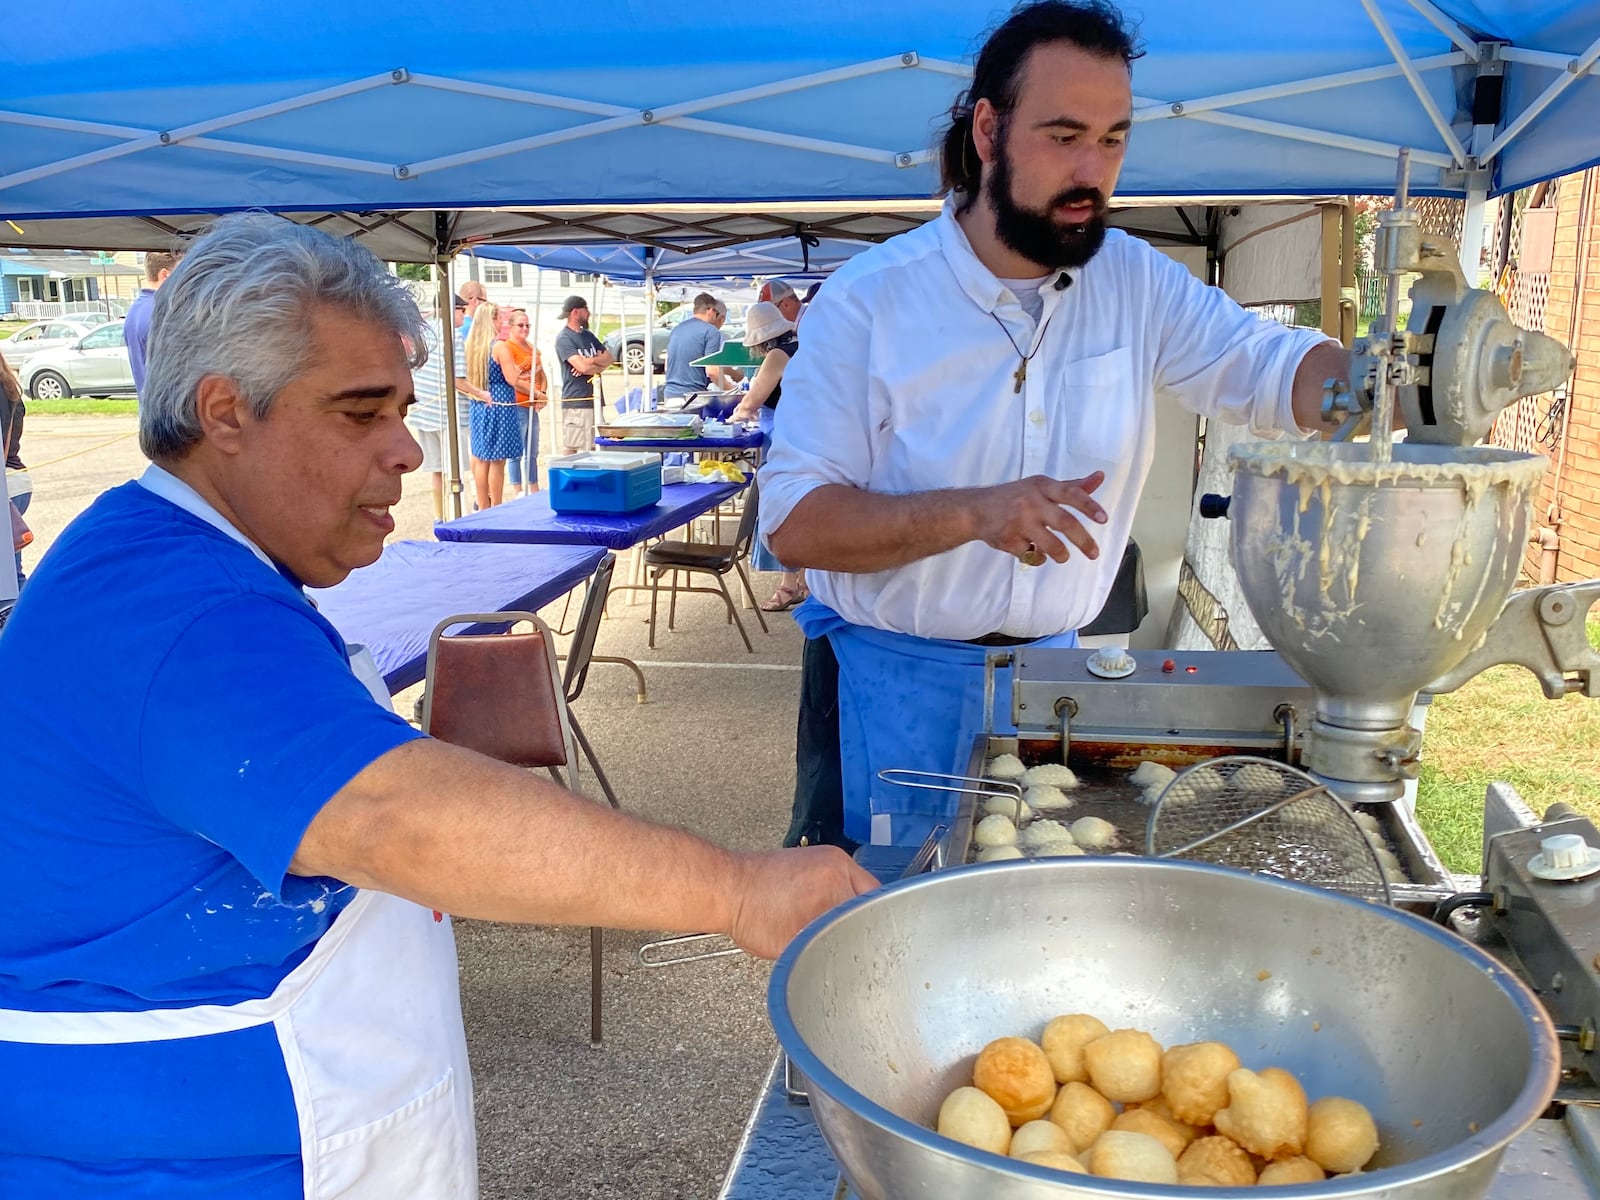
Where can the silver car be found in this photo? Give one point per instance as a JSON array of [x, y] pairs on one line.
[[94, 365], [44, 335]]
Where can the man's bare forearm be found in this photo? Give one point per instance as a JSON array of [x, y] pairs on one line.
[[458, 832], [1322, 362], [839, 528]]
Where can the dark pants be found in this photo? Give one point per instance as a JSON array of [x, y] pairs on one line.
[[818, 816]]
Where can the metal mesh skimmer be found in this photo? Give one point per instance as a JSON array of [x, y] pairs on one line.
[[1258, 815]]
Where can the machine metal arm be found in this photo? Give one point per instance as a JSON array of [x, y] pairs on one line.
[[1542, 629]]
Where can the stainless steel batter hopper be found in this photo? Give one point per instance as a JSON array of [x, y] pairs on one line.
[[1374, 579]]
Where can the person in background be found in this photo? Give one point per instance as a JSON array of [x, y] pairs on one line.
[[225, 965], [426, 418], [532, 395], [496, 426], [581, 357], [158, 264], [770, 335], [692, 338], [783, 295], [474, 294], [19, 485]]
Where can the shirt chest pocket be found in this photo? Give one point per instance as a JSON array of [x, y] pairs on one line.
[[1103, 408]]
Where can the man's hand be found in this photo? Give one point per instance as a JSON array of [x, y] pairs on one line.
[[1019, 517], [783, 890]]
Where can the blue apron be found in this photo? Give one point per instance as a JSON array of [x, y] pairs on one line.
[[905, 702]]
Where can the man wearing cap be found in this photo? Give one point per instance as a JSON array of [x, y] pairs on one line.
[[962, 445], [471, 295], [582, 357], [776, 291], [691, 339]]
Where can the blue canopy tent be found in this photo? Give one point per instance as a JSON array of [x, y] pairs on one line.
[[138, 129]]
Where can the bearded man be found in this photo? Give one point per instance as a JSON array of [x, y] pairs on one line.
[[962, 446]]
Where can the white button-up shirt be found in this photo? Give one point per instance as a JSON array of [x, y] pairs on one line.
[[905, 382]]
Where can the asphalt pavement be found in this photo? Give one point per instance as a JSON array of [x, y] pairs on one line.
[[657, 1112]]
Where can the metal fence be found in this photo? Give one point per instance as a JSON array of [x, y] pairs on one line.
[[108, 309]]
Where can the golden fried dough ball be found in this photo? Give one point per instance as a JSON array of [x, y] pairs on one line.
[[1056, 1159], [1119, 1154], [1017, 1075], [972, 1117], [1216, 1162], [1291, 1170], [1160, 1106], [1340, 1135], [1063, 1042], [1124, 1065], [1041, 1137], [1194, 1080], [1083, 1112], [1169, 1133], [1266, 1113]]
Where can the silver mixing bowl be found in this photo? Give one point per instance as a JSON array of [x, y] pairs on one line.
[[883, 1003]]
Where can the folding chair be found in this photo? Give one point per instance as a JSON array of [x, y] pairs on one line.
[[714, 559], [502, 695], [580, 655]]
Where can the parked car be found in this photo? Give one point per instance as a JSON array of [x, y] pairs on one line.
[[43, 335], [94, 365], [732, 331]]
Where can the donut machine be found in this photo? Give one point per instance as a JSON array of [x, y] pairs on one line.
[[1382, 572]]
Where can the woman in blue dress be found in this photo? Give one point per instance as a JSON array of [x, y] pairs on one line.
[[496, 425]]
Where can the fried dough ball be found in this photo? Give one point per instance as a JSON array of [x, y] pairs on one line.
[[1259, 780], [1194, 1080], [973, 1118], [1199, 782], [1044, 795], [1094, 833], [1041, 831], [1151, 776], [1015, 1072], [1057, 1160], [1063, 1041], [1266, 1113], [1216, 1162], [1053, 774], [1160, 1106], [995, 830], [1118, 1154], [1041, 1137], [1058, 848], [1125, 1065], [1083, 1112], [1013, 808], [1004, 766], [1169, 1133], [1291, 1170], [997, 853], [1340, 1135]]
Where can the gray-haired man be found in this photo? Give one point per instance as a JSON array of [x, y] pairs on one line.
[[229, 913]]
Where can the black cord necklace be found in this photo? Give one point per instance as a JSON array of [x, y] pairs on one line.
[[1020, 375]]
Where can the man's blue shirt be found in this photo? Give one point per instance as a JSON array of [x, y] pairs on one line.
[[690, 339], [136, 334]]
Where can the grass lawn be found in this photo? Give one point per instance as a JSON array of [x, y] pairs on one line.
[[82, 404], [7, 328], [1500, 726]]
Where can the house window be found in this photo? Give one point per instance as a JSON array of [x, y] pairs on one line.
[[496, 272]]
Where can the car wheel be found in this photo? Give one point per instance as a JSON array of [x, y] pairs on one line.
[[47, 385], [633, 358]]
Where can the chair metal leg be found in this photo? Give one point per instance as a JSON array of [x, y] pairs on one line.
[[655, 590], [594, 762], [596, 970], [731, 612], [749, 591], [672, 607]]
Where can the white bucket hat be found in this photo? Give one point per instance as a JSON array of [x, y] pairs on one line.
[[763, 322]]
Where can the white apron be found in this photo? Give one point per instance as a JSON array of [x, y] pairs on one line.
[[369, 1025]]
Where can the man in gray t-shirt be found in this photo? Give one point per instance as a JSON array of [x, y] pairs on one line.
[[582, 358], [695, 338]]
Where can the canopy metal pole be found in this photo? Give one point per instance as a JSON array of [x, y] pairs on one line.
[[533, 337], [599, 387], [447, 349], [649, 328], [1575, 70], [1398, 53]]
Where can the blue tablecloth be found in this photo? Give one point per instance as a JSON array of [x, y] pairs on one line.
[[392, 606], [530, 519], [753, 440]]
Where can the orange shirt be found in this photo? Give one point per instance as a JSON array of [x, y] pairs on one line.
[[523, 356]]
